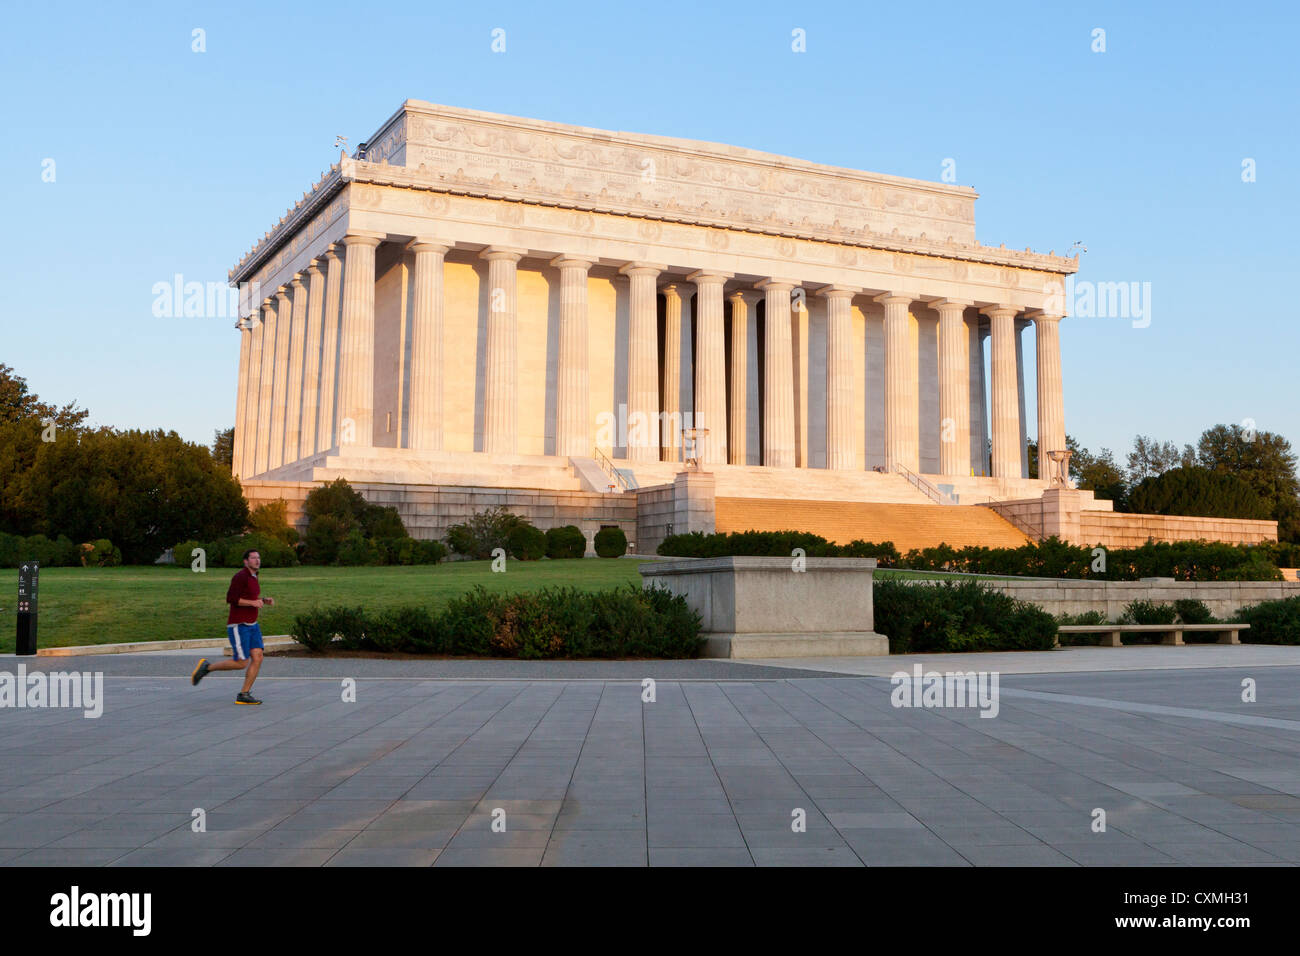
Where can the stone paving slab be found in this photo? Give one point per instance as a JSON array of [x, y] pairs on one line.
[[456, 771]]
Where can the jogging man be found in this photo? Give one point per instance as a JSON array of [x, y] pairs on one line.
[[244, 598]]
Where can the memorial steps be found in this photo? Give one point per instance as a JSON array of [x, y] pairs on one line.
[[906, 525]]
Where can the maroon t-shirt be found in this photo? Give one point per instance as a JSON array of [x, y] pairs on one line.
[[243, 585]]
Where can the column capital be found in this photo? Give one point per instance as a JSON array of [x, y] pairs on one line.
[[281, 293], [428, 244], [313, 268], [747, 296], [777, 284], [364, 237], [571, 262], [1041, 315], [671, 288], [506, 253], [894, 298], [940, 304], [296, 282], [642, 269], [1000, 311], [839, 291], [331, 252], [709, 276]]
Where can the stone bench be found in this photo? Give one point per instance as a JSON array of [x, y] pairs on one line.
[[1228, 633]]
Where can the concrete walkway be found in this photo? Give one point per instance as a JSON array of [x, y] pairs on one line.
[[579, 770]]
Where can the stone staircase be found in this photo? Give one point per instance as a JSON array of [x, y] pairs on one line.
[[907, 525]]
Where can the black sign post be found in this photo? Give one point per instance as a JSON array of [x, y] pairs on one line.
[[28, 578]]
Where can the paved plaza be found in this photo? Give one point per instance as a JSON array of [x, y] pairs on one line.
[[581, 771]]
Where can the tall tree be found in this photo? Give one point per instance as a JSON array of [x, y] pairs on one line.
[[223, 447], [18, 402], [1150, 458], [1263, 460]]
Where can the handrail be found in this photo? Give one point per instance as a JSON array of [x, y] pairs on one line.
[[607, 466], [923, 485]]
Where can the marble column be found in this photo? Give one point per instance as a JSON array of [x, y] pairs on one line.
[[902, 413], [743, 313], [1005, 401], [979, 414], [425, 431], [246, 432], [280, 381], [1023, 442], [356, 372], [573, 436], [327, 418], [841, 450], [501, 395], [778, 374], [671, 433], [241, 399], [266, 380], [711, 365], [954, 388], [1051, 403], [297, 348], [643, 361], [311, 395]]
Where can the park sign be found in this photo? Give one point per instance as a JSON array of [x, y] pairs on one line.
[[28, 579]]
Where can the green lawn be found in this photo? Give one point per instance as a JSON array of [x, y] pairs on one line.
[[115, 605]]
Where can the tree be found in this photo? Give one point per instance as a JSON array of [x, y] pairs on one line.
[[1263, 460], [1150, 458], [18, 403], [1199, 492], [1099, 474], [223, 447]]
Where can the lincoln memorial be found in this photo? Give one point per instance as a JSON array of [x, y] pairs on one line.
[[601, 327]]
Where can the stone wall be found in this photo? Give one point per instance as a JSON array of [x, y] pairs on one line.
[[1066, 514], [681, 507], [1223, 598], [428, 510]]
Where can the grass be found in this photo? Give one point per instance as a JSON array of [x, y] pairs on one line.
[[81, 606]]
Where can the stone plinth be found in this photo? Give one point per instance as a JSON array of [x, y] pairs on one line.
[[764, 607]]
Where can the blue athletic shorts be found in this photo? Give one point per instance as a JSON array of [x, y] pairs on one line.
[[243, 638]]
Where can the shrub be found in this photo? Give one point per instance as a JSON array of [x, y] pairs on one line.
[[274, 552], [566, 542], [1271, 622], [551, 623], [356, 551], [1148, 612], [338, 498], [1192, 611], [381, 521], [611, 543], [484, 532], [271, 519], [428, 552], [325, 536], [1084, 617], [526, 543], [184, 554], [100, 554], [957, 616]]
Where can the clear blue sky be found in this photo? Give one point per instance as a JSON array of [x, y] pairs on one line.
[[169, 161]]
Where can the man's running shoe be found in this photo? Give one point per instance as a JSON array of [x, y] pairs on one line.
[[200, 672], [245, 698]]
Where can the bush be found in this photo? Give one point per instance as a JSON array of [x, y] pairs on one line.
[[318, 628], [957, 616], [484, 532], [274, 552], [1084, 617], [325, 536], [566, 542], [611, 543], [1271, 622], [428, 552], [1192, 611], [551, 623], [184, 554], [100, 554], [356, 551], [526, 543], [1148, 612], [271, 519]]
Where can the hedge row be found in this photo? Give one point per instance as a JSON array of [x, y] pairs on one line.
[[550, 623], [1053, 558], [953, 616], [59, 553]]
